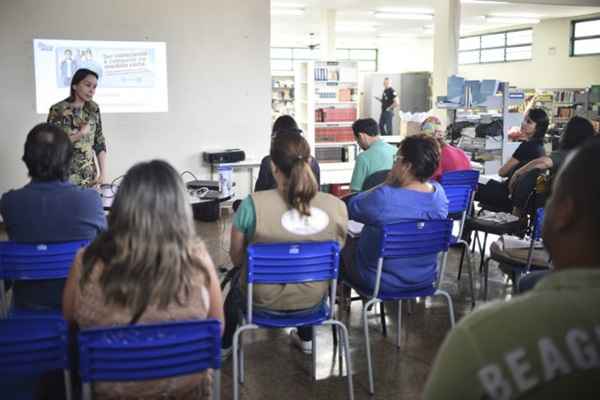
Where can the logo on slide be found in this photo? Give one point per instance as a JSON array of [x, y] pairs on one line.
[[298, 224]]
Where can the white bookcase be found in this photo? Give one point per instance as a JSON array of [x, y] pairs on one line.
[[329, 88]]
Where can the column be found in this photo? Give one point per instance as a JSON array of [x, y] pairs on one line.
[[445, 47], [327, 35]]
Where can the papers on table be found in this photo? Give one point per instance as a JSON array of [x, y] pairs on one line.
[[354, 228]]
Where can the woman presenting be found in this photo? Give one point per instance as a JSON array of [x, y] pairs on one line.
[[79, 116]]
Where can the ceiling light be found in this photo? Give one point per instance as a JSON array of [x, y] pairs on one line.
[[355, 28], [403, 10], [404, 16], [396, 35], [287, 11], [511, 20], [287, 5], [483, 2]]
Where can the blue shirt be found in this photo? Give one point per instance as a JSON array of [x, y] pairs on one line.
[[46, 212], [389, 204]]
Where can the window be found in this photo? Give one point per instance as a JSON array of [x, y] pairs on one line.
[[366, 58], [585, 37], [496, 47], [284, 58]]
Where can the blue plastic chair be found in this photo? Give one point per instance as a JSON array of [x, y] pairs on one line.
[[24, 261], [291, 263], [406, 240], [30, 347], [461, 178], [459, 201], [153, 351]]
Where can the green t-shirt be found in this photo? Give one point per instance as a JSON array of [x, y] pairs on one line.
[[543, 344], [245, 218], [379, 156]]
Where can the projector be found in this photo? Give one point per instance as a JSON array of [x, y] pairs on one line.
[[223, 156]]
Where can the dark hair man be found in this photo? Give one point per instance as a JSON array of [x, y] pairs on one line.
[[49, 209]]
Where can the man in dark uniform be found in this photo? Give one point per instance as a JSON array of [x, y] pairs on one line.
[[389, 101]]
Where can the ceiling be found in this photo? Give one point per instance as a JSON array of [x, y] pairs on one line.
[[358, 15]]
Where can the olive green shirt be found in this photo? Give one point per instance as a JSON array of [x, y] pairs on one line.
[[379, 156], [542, 345], [83, 170]]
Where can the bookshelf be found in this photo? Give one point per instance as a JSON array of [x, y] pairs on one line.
[[282, 95], [327, 101], [562, 104], [506, 104]]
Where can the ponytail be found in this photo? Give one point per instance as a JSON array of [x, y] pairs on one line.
[[290, 153], [301, 187]]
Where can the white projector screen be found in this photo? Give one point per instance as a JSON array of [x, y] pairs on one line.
[[132, 75]]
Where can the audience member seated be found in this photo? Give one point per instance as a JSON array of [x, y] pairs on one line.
[[377, 154], [577, 131], [148, 267], [451, 158], [543, 344], [265, 180], [49, 209], [407, 194], [296, 211], [494, 194]]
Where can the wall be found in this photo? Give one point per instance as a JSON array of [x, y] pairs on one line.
[[218, 74], [548, 68]]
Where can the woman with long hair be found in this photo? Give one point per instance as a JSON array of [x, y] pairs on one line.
[[494, 194], [407, 194], [265, 180], [295, 211], [79, 116], [148, 267]]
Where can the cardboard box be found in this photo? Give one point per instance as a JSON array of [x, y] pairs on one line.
[[409, 128]]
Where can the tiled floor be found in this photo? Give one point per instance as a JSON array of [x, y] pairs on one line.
[[276, 370]]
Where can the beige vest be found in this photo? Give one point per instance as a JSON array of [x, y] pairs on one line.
[[275, 223]]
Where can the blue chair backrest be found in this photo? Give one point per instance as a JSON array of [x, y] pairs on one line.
[[31, 346], [465, 177], [538, 223], [154, 351], [22, 261], [415, 238], [458, 197], [274, 263]]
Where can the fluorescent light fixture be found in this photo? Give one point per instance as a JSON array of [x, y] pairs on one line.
[[355, 28], [483, 2], [404, 10], [287, 11], [396, 35], [288, 5], [404, 16], [511, 20]]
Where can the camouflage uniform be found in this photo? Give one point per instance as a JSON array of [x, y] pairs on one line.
[[83, 170]]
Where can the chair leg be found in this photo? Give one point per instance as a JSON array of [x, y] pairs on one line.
[[368, 343], [482, 251], [383, 323], [335, 336], [238, 357], [399, 323], [450, 305], [345, 341], [216, 380], [86, 390], [68, 385], [314, 352], [486, 268], [462, 258], [465, 248]]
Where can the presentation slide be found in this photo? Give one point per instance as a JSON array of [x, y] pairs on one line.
[[132, 75]]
